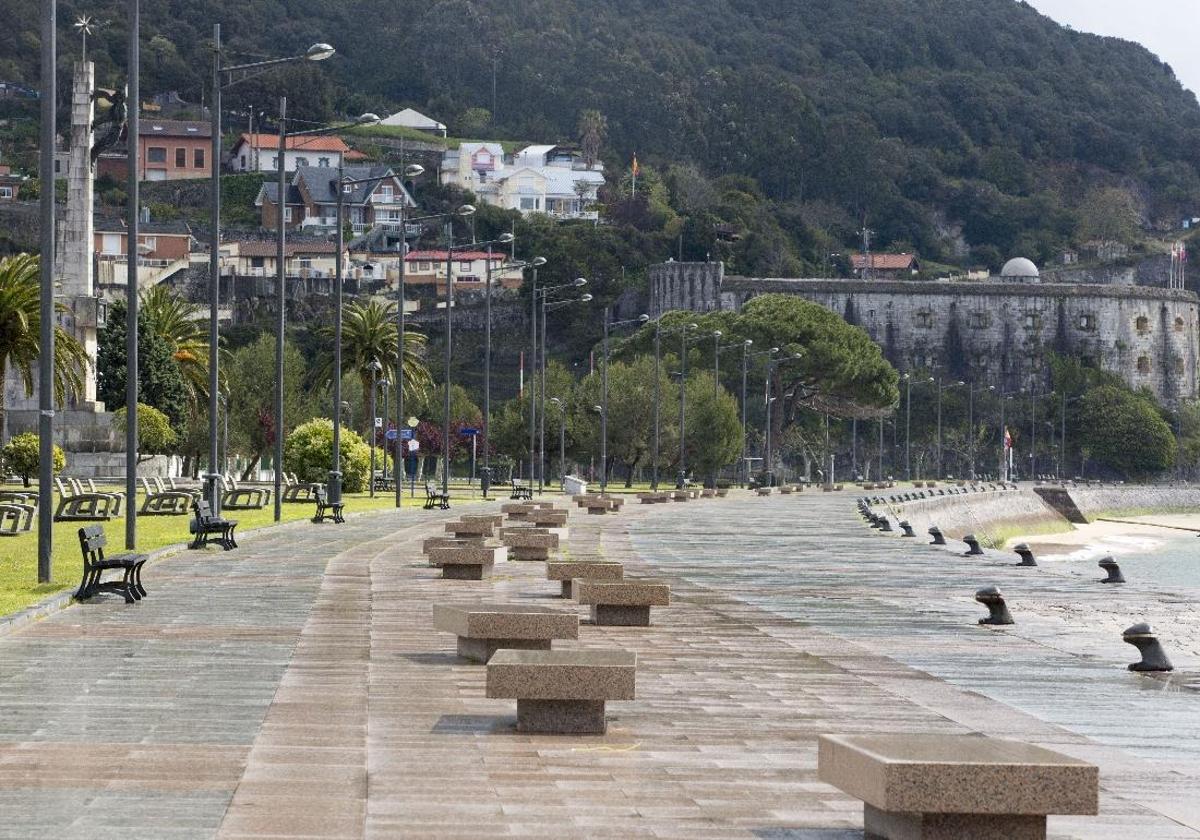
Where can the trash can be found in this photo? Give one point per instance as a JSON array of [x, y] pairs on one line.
[[485, 480], [573, 485]]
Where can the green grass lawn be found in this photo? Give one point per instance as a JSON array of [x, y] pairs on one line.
[[18, 555]]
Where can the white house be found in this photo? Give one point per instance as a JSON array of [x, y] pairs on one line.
[[260, 153], [411, 118], [538, 179]]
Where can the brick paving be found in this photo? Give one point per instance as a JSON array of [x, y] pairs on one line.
[[295, 688]]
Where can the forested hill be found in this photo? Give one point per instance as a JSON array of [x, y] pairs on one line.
[[943, 123]]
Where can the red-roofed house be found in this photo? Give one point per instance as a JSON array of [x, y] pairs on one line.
[[260, 152], [428, 268], [887, 266]]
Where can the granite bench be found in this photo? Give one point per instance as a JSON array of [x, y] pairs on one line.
[[482, 629], [529, 543], [956, 787], [785, 488], [653, 498], [547, 518], [479, 528], [463, 550], [763, 491], [680, 495], [562, 691], [567, 571], [623, 603]]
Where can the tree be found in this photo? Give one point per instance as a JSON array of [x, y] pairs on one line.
[[22, 455], [155, 435], [714, 426], [593, 129], [20, 333], [630, 411], [252, 421], [1125, 432], [160, 381], [369, 335], [1109, 213], [177, 323], [308, 452]]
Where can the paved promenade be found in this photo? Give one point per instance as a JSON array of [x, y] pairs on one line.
[[295, 688]]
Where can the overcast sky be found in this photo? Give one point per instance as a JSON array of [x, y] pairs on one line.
[[1168, 28]]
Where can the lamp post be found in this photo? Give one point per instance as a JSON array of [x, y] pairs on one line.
[[880, 476], [49, 104], [683, 354], [562, 437], [411, 171], [746, 345], [385, 385], [908, 426], [223, 77], [772, 363], [376, 368], [608, 325], [940, 389], [547, 292]]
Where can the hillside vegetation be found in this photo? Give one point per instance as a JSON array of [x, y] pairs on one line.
[[967, 129]]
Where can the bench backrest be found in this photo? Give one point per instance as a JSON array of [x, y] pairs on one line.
[[62, 488], [162, 488], [92, 542], [76, 486], [145, 482], [321, 495], [203, 509]]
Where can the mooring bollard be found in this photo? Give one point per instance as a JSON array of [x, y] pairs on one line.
[[1154, 658], [938, 538], [998, 613], [1026, 554], [885, 525], [907, 529], [1113, 571], [972, 546]]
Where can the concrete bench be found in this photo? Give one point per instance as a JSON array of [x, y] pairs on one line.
[[785, 488], [722, 492], [529, 543], [482, 629], [547, 518], [956, 787], [680, 495], [475, 527], [763, 491], [624, 603], [562, 691], [708, 493], [567, 571], [467, 552], [653, 498]]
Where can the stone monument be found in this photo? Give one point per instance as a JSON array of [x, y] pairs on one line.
[[82, 427]]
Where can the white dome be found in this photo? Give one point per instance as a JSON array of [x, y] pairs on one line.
[[1020, 269]]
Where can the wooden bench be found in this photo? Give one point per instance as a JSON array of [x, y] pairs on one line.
[[562, 691], [163, 502], [568, 571], [92, 542], [206, 524], [483, 629], [16, 518], [435, 498], [325, 508], [623, 603], [956, 787], [521, 490]]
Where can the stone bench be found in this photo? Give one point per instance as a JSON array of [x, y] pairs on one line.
[[680, 495], [529, 543], [480, 527], [568, 571], [653, 498], [763, 491], [547, 518], [785, 488], [623, 603], [562, 691], [722, 492], [956, 787], [482, 629], [708, 493], [438, 556]]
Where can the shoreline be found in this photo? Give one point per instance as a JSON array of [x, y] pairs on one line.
[[1102, 536]]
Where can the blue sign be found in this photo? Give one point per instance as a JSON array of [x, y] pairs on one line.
[[390, 434], [405, 434], [470, 432]]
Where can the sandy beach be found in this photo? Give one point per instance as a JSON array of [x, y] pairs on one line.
[[1130, 535]]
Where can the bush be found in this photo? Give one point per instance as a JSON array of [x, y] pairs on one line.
[[1125, 433], [20, 456], [308, 451], [155, 435]]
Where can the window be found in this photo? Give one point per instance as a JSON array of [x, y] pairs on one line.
[[323, 162], [156, 154], [180, 158], [1178, 365], [6, 192], [150, 243], [1033, 321], [198, 158], [306, 262], [1178, 325], [980, 320], [1142, 323], [1035, 362], [287, 214], [924, 320], [528, 203], [275, 165], [1143, 364], [1087, 322], [463, 265], [256, 262], [385, 194], [302, 161]]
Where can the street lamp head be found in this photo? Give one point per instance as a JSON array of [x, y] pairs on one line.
[[598, 409], [555, 401], [991, 387], [375, 366], [905, 377], [505, 238], [643, 318], [797, 355], [692, 326], [319, 52], [585, 299], [579, 282], [749, 342], [413, 170], [538, 262], [465, 210], [931, 379], [717, 333]]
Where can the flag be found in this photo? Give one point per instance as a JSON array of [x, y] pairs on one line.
[[637, 170], [1008, 441]]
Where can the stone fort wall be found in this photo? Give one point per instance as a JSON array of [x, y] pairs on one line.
[[991, 332]]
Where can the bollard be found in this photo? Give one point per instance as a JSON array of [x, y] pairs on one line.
[[907, 529], [1154, 658], [1113, 571], [938, 538], [998, 613], [973, 548], [885, 525], [1026, 554]]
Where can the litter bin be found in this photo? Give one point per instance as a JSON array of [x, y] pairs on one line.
[[485, 480], [573, 485]]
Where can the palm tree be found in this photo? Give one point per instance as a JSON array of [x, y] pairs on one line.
[[369, 335], [180, 324], [20, 333]]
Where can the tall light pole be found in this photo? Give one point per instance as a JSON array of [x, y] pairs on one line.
[[683, 354], [546, 293], [940, 389], [562, 436], [746, 345], [223, 77], [411, 171], [608, 325], [772, 363], [376, 368], [49, 102], [132, 373]]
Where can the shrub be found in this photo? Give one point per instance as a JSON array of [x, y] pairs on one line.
[[308, 451], [20, 456], [155, 435]]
